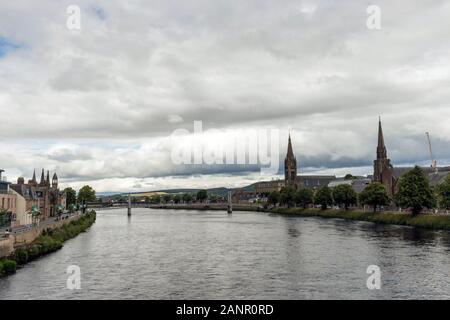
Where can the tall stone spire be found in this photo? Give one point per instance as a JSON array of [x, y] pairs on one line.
[[47, 181], [290, 166], [381, 148], [382, 168], [34, 176], [290, 152], [42, 178]]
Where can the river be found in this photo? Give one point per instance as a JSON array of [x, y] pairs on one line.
[[177, 254]]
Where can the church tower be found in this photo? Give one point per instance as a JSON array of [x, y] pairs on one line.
[[33, 181], [42, 182], [55, 181], [290, 166], [382, 168]]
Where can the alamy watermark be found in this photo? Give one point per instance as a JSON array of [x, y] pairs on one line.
[[73, 21], [374, 19], [374, 280], [227, 147], [74, 280]]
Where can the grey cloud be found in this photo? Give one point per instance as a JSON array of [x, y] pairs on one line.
[[139, 70]]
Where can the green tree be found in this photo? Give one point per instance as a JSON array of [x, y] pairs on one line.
[[202, 195], [187, 197], [213, 198], [349, 177], [374, 195], [304, 197], [5, 218], [273, 198], [167, 198], [287, 196], [71, 197], [176, 198], [86, 194], [443, 191], [414, 191], [324, 197], [345, 195], [155, 199]]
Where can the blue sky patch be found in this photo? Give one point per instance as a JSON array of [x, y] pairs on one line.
[[99, 12], [7, 45]]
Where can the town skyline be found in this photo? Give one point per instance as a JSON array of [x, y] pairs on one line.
[[236, 181]]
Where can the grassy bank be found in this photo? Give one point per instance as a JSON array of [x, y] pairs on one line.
[[49, 241], [422, 221], [403, 219]]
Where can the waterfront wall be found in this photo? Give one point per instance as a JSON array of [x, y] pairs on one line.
[[16, 240], [6, 246]]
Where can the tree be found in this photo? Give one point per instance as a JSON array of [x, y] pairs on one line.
[[345, 195], [202, 195], [323, 197], [187, 197], [167, 198], [273, 198], [155, 199], [176, 198], [443, 191], [5, 218], [414, 191], [374, 195], [86, 194], [213, 198], [349, 177], [287, 196], [71, 197], [304, 197]]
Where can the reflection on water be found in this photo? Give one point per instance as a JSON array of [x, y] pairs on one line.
[[166, 254]]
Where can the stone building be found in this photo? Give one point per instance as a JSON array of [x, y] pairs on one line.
[[301, 181], [8, 201], [44, 196], [385, 173], [266, 187]]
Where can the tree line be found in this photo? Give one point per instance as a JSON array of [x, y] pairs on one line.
[[201, 196], [413, 192], [85, 194]]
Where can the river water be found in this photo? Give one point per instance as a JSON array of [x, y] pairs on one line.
[[177, 254]]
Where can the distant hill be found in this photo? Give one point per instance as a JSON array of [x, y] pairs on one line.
[[218, 191]]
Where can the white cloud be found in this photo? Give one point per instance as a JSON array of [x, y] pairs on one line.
[[101, 103]]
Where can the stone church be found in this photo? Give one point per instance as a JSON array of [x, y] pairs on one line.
[[385, 173], [291, 179]]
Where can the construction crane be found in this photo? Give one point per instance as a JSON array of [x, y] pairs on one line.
[[433, 162]]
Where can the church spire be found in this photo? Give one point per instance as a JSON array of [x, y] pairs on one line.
[[381, 148], [290, 166], [48, 178], [42, 178], [290, 152], [34, 176]]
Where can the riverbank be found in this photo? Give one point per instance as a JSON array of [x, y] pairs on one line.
[[404, 219], [433, 222], [48, 241]]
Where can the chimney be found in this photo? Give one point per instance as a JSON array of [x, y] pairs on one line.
[[1, 171]]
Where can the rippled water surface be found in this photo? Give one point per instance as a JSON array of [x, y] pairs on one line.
[[173, 254]]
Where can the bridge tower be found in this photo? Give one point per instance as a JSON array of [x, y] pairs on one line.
[[230, 205], [129, 205]]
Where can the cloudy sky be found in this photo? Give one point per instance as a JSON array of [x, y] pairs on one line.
[[100, 104]]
